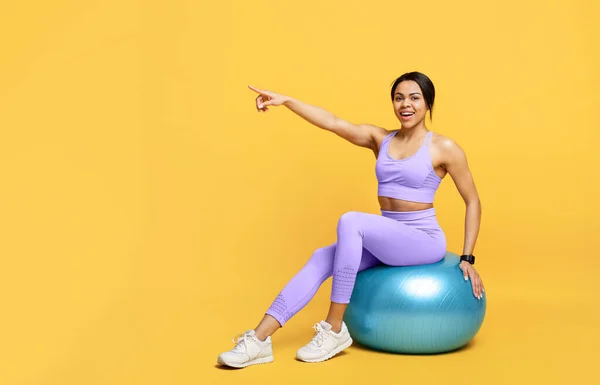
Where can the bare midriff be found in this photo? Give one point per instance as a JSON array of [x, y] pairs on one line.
[[391, 204]]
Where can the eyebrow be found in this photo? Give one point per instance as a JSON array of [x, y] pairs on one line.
[[414, 93]]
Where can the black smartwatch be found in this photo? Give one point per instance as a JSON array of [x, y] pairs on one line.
[[469, 258]]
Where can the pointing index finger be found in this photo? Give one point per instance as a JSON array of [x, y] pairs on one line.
[[257, 90]]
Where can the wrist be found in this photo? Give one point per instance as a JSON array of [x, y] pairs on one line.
[[287, 100], [469, 258]]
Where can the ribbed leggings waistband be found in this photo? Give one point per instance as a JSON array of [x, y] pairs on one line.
[[409, 215]]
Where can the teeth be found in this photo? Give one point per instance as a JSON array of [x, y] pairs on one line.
[[407, 113]]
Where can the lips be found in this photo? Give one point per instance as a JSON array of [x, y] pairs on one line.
[[406, 114]]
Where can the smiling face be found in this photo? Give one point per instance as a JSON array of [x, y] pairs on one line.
[[409, 104]]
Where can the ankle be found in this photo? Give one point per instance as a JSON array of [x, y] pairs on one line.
[[266, 327], [262, 337], [336, 326]]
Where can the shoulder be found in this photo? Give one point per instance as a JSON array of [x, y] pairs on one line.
[[445, 144], [447, 148], [378, 133]]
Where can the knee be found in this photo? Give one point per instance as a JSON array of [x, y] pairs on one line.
[[351, 220], [322, 260]]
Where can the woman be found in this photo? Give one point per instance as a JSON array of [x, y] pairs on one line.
[[411, 162]]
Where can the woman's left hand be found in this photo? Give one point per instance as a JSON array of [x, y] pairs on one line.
[[470, 273]]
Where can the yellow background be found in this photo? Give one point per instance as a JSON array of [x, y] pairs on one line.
[[148, 213]]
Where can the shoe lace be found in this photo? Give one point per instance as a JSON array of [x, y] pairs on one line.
[[241, 340], [319, 337]]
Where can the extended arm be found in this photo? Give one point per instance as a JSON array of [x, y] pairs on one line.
[[363, 135]]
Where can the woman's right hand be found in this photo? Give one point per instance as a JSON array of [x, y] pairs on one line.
[[266, 99]]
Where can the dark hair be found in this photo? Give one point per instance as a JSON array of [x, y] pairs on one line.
[[424, 83]]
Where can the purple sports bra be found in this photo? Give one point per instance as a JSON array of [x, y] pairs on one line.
[[411, 179]]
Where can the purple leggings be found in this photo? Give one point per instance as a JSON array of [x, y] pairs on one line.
[[363, 241]]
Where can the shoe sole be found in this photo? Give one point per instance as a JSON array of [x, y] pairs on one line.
[[335, 351], [264, 360]]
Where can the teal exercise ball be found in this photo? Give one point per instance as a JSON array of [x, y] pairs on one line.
[[422, 309]]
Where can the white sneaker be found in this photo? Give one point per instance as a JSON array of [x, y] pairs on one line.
[[249, 350], [325, 344]]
